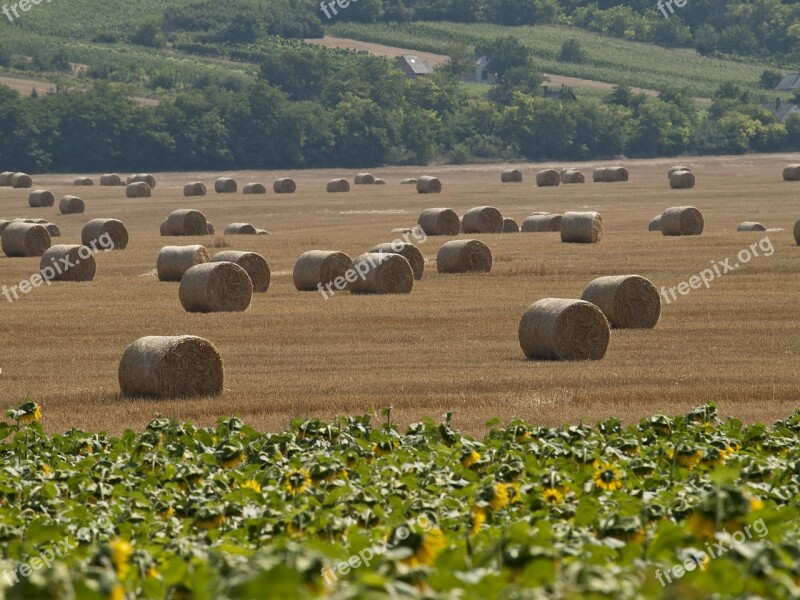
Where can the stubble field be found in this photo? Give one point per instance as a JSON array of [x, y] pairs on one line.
[[450, 345]]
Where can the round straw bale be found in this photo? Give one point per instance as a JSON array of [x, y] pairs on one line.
[[185, 222], [71, 205], [254, 188], [581, 228], [216, 287], [682, 220], [25, 239], [439, 221], [542, 223], [284, 185], [364, 179], [195, 188], [381, 274], [113, 229], [511, 176], [379, 181], [627, 301], [750, 226], [21, 180], [210, 228], [4, 224], [482, 219], [319, 267], [655, 224], [599, 175], [681, 180], [171, 367], [255, 265], [408, 181], [225, 185], [464, 256], [174, 261], [143, 178], [262, 232], [83, 181], [338, 185], [52, 229], [138, 189], [163, 228], [510, 226], [797, 232], [5, 178], [548, 178], [41, 199], [110, 180], [615, 174], [408, 251], [561, 329], [69, 263], [572, 176], [240, 229], [676, 169], [428, 185], [791, 173]]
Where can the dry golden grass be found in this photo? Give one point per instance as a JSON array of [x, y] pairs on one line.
[[450, 345]]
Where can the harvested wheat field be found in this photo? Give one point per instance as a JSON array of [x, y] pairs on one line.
[[452, 343]]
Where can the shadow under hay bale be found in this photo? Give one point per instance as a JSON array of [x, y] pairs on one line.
[[627, 301], [25, 239], [464, 256], [482, 219], [408, 251], [319, 267], [439, 221], [41, 199], [71, 205], [255, 265], [174, 261], [682, 220], [82, 265], [215, 287], [563, 329], [581, 228], [113, 229]]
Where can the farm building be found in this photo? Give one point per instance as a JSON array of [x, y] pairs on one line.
[[789, 82], [478, 71], [782, 109], [413, 66]]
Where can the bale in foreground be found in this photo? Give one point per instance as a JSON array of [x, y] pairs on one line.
[[319, 267], [510, 226], [408, 251], [655, 224], [174, 261], [216, 287], [627, 301], [254, 188], [71, 205], [138, 189], [548, 178], [464, 256], [254, 264], [195, 188], [240, 229], [381, 274], [791, 173], [542, 223], [185, 221], [171, 367], [750, 226], [68, 263], [561, 329], [482, 219], [225, 185], [428, 185], [682, 180], [336, 186], [25, 239], [41, 199], [511, 176], [682, 220], [439, 221], [581, 228], [112, 228], [284, 185]]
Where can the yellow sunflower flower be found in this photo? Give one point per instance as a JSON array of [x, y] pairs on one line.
[[297, 481], [117, 593], [383, 448], [476, 520], [702, 526], [121, 552], [428, 546], [513, 491], [686, 458], [30, 413], [210, 522], [233, 460], [552, 496], [152, 573], [469, 459], [499, 497], [45, 468], [165, 513], [252, 484], [607, 477], [756, 504]]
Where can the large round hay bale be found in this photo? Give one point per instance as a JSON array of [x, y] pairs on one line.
[[21, 181], [655, 224], [408, 251], [185, 221], [68, 263], [195, 188], [138, 189], [174, 261], [571, 176], [381, 274], [216, 287], [142, 178], [750, 226], [254, 188], [682, 220], [676, 169], [548, 178], [627, 301], [482, 219], [379, 181], [71, 205], [428, 185], [511, 176], [615, 174], [240, 229], [464, 256], [25, 239], [409, 181], [83, 181], [510, 226], [791, 172], [599, 175], [163, 228], [284, 185], [52, 229], [364, 179], [112, 229], [317, 267], [41, 199], [5, 178], [255, 265], [225, 185], [171, 367], [111, 180], [542, 223], [3, 225], [561, 329], [439, 221], [681, 180], [581, 228], [336, 186], [797, 232]]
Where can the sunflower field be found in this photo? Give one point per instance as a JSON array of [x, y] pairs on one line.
[[672, 507]]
